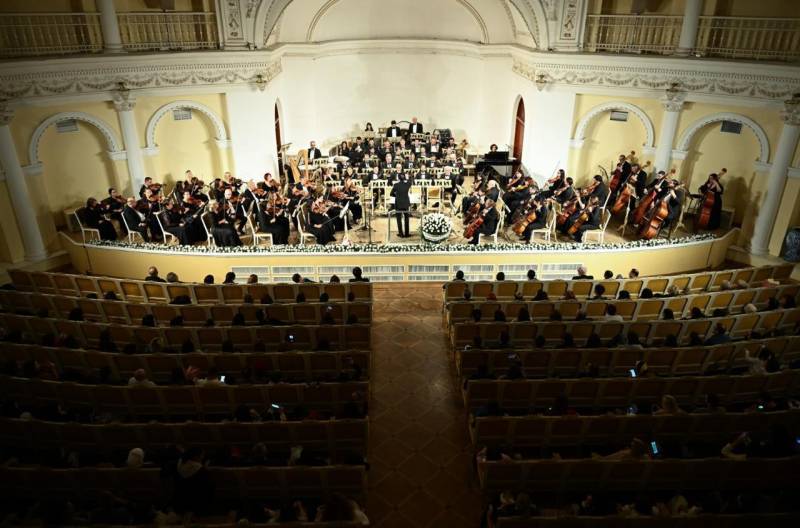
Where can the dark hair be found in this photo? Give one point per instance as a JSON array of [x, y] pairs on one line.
[[599, 290], [624, 294], [647, 293], [208, 279], [668, 314], [500, 276], [230, 277], [608, 274], [531, 274], [611, 309], [357, 272], [459, 274]]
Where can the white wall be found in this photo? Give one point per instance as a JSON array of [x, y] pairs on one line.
[[252, 130], [548, 127]]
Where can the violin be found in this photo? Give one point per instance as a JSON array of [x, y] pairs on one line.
[[590, 189], [709, 199]]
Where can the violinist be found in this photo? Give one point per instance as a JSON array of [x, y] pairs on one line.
[[490, 219], [113, 206], [191, 208], [299, 195], [150, 204], [520, 194], [136, 220], [388, 162], [711, 207], [154, 188], [352, 195], [319, 224], [230, 201], [93, 218], [598, 189], [271, 215], [556, 183], [173, 223], [222, 225], [565, 193]]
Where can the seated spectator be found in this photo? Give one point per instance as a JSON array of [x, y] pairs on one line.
[[230, 278], [725, 285], [491, 296], [633, 340], [736, 450], [787, 301], [334, 279], [696, 313], [172, 277], [340, 508], [772, 304], [749, 308], [637, 450], [593, 341], [139, 379], [720, 336], [694, 339], [459, 276], [672, 291], [582, 274], [252, 279], [531, 274], [212, 378], [135, 458], [324, 297], [499, 315], [611, 313], [667, 314], [555, 315], [646, 293], [671, 341], [599, 292], [148, 320], [500, 276], [208, 279], [669, 405], [633, 273], [569, 295], [541, 295], [358, 275], [152, 275], [764, 363], [193, 485], [608, 275], [110, 296], [515, 371], [467, 294], [580, 315], [624, 295]]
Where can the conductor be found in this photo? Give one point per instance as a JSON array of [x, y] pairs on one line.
[[402, 203]]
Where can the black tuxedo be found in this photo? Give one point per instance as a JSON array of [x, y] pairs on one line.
[[393, 131], [135, 222], [490, 219], [315, 152], [402, 203], [415, 128]]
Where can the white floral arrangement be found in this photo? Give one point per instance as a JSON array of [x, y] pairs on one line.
[[435, 227], [404, 248]]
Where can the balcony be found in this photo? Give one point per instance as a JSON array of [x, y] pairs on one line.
[[35, 34], [775, 39]]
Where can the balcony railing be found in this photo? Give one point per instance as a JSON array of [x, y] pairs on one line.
[[168, 31], [27, 34], [30, 34], [633, 33], [749, 38]]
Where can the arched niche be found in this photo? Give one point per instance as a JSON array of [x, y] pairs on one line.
[[221, 134]]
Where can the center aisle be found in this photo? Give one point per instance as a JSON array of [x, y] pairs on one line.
[[419, 450]]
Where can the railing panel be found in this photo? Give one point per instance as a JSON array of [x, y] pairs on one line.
[[749, 38], [632, 33], [29, 34], [168, 31]]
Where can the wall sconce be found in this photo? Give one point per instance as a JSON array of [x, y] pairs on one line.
[[541, 81], [261, 82]]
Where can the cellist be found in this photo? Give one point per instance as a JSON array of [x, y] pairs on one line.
[[490, 219], [589, 219], [542, 207], [711, 210]]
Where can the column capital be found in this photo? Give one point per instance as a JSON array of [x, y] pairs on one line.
[[122, 98], [790, 113], [673, 98], [6, 113]]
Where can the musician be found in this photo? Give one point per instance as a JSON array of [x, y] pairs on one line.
[[191, 209], [555, 184], [230, 201], [713, 185], [624, 167], [343, 149], [93, 218], [493, 147], [456, 180], [400, 147], [313, 152], [271, 217], [173, 223], [402, 204], [542, 207], [319, 223], [223, 218], [675, 193], [415, 127], [113, 206], [148, 184], [388, 161], [592, 213], [352, 195], [600, 189], [490, 219], [411, 162], [393, 130], [136, 220], [368, 128], [566, 192], [150, 204], [641, 179], [434, 148], [492, 191], [659, 182]]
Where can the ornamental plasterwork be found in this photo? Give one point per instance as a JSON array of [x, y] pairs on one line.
[[71, 82], [232, 20], [648, 78], [790, 114]]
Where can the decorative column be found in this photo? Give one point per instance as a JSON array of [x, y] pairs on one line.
[[691, 21], [673, 103], [124, 103], [109, 24], [18, 190], [778, 174]]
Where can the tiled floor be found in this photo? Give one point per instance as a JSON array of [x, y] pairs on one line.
[[419, 449]]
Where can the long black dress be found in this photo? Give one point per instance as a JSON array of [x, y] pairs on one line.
[[93, 218], [324, 233], [716, 210], [223, 229]]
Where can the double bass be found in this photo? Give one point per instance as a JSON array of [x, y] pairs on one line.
[[709, 199], [647, 201], [625, 196], [616, 177], [651, 228]]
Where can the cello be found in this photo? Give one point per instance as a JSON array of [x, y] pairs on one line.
[[709, 199], [625, 195], [474, 225], [651, 228], [647, 201], [520, 227], [569, 208]]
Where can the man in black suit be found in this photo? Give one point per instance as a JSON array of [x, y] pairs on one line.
[[415, 127], [358, 275], [402, 203], [136, 220], [601, 191], [393, 130], [152, 275], [313, 152], [582, 274], [641, 179], [490, 219]]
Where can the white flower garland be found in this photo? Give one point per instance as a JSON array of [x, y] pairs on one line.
[[406, 248]]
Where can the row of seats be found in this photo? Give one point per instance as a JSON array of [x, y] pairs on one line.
[[639, 475], [88, 334], [748, 520], [649, 332], [694, 282], [275, 483], [547, 363], [161, 292], [554, 431], [182, 400], [128, 312], [617, 393], [336, 437], [307, 366], [639, 309]]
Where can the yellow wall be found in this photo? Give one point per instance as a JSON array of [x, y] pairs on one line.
[[605, 139], [184, 144]]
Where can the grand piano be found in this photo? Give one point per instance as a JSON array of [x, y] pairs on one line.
[[498, 162]]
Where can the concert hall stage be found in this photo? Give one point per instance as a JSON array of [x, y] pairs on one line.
[[399, 262]]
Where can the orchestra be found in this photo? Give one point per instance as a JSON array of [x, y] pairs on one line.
[[365, 175]]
